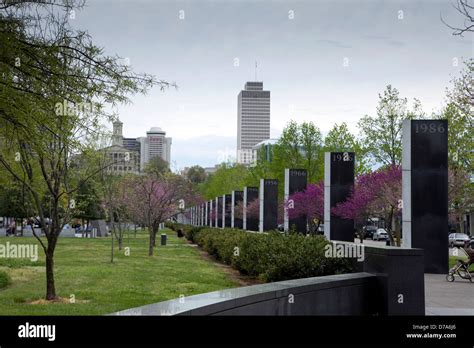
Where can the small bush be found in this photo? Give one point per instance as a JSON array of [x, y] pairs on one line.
[[5, 280], [271, 257], [190, 232]]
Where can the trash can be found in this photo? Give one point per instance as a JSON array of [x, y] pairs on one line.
[[387, 242], [163, 239]]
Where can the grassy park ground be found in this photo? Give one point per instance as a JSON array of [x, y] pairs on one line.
[[83, 270]]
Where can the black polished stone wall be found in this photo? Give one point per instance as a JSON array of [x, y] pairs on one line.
[[270, 204], [429, 192], [252, 222], [219, 212], [228, 211], [238, 198], [297, 181], [342, 181]]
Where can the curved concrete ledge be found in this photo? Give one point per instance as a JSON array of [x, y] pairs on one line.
[[344, 294]]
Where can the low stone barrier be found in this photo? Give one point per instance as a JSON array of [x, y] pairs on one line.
[[343, 294]]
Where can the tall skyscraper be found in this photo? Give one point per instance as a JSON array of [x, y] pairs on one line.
[[253, 119], [155, 144]]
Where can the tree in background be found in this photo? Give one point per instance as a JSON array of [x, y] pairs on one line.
[[459, 113], [196, 175], [253, 209], [15, 203], [309, 204], [300, 146], [228, 177], [157, 166], [460, 196], [466, 10], [116, 200], [381, 135], [340, 139], [376, 194], [88, 205], [153, 200]]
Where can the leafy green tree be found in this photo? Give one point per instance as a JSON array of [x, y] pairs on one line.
[[382, 134], [15, 203], [340, 139], [196, 175], [300, 146], [459, 113], [229, 177], [157, 166], [54, 86], [88, 200]]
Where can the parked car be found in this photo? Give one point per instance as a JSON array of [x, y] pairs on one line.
[[369, 231], [380, 234], [458, 239]]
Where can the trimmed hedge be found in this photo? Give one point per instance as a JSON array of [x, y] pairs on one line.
[[270, 257], [5, 280], [188, 230]]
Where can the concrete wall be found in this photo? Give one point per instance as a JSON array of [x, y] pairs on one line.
[[344, 294]]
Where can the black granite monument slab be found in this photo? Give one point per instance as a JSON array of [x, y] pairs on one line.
[[237, 197], [295, 181], [425, 191], [268, 204], [338, 183], [250, 223]]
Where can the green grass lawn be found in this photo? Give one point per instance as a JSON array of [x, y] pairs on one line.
[[83, 269]]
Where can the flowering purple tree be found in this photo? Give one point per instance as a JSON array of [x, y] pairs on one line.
[[153, 200], [253, 209], [376, 194], [309, 204]]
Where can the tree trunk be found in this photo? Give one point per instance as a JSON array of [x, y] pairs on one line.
[[50, 287], [152, 243]]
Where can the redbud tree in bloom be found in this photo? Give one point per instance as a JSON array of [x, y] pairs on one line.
[[309, 204], [153, 200], [376, 194]]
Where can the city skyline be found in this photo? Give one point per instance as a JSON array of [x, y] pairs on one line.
[[209, 49], [154, 144]]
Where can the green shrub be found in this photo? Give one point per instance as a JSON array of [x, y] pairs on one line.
[[190, 232], [271, 257], [5, 280]]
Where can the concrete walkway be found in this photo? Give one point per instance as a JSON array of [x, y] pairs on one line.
[[445, 298]]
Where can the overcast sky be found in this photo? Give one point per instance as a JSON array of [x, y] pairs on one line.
[[300, 46]]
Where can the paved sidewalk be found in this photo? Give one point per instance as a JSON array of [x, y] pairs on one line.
[[445, 298]]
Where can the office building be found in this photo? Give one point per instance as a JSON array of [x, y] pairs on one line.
[[156, 143], [253, 120]]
